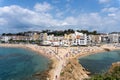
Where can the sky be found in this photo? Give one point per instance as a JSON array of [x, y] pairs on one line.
[[36, 15]]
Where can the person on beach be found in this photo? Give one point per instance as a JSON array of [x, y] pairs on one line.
[[56, 77]]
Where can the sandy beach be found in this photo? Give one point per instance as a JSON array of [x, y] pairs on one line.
[[60, 55], [47, 51]]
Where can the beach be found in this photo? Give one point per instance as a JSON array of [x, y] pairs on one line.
[[46, 51], [60, 55]]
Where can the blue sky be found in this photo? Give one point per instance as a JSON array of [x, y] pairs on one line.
[[24, 15]]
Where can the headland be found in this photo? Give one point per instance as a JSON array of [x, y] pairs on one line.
[[63, 57]]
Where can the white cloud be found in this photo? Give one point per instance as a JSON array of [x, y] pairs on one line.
[[2, 21], [94, 21], [112, 15], [104, 1], [43, 7], [23, 19], [64, 23], [59, 14], [110, 9], [15, 18], [71, 21]]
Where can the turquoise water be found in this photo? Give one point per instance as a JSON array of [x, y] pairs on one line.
[[100, 63], [20, 64]]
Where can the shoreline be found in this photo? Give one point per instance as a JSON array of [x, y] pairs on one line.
[[103, 48], [25, 46], [59, 60], [37, 51]]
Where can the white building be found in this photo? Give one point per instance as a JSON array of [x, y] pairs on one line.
[[58, 38], [67, 40], [104, 38], [95, 39], [43, 36], [64, 42], [5, 38], [46, 43], [114, 37], [81, 39], [55, 43], [50, 37]]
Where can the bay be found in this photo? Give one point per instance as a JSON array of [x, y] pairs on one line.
[[101, 62], [20, 64]]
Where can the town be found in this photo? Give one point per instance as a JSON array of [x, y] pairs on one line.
[[61, 38]]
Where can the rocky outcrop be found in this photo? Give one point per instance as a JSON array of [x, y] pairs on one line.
[[114, 67], [73, 71], [106, 49], [112, 74]]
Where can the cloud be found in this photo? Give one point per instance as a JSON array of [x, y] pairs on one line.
[[112, 15], [104, 1], [43, 7], [94, 21], [15, 18], [59, 14], [110, 9]]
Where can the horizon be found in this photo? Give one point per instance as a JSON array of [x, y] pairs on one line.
[[21, 15]]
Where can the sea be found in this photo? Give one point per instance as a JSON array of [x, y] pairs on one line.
[[101, 62], [21, 64]]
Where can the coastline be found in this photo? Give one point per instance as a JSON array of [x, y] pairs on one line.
[[38, 51], [74, 71], [60, 60], [94, 50]]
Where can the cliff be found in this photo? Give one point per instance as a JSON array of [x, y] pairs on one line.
[[115, 70], [73, 71], [112, 74]]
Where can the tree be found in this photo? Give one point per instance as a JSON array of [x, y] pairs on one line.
[[94, 32], [3, 34]]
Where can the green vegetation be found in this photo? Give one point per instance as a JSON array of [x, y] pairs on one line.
[[111, 75], [62, 73], [87, 32], [2, 41], [55, 32], [13, 34], [60, 33], [69, 31]]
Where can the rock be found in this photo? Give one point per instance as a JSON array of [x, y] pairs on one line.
[[73, 71], [114, 66]]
